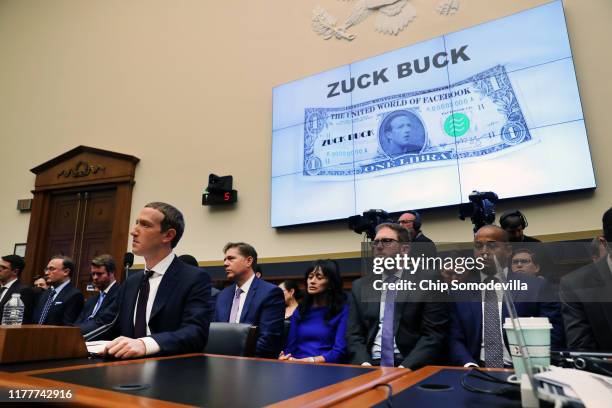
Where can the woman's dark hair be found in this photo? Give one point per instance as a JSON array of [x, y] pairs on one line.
[[293, 284], [334, 295]]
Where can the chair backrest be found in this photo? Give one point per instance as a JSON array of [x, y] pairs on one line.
[[231, 339], [286, 326]]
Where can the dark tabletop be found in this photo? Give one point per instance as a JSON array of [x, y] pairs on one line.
[[443, 389], [210, 381]]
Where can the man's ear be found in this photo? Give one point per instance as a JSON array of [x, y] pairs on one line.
[[249, 260], [169, 235]]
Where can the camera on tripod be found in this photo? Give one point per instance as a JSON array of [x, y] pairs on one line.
[[480, 209], [368, 222]]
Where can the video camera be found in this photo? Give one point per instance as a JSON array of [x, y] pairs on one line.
[[368, 222], [480, 209]]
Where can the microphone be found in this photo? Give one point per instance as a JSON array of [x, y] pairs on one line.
[[128, 261], [102, 329]]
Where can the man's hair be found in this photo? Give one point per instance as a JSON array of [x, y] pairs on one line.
[[16, 262], [173, 218], [106, 261], [244, 249], [67, 263], [189, 260], [403, 234], [606, 220], [393, 116]]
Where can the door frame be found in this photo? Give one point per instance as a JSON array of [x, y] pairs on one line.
[[78, 170]]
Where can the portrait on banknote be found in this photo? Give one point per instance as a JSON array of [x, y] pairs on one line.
[[401, 132]]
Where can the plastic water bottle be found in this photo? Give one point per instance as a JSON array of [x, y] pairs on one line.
[[13, 310]]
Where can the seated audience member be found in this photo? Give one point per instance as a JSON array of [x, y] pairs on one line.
[[318, 326], [586, 296], [11, 267], [293, 294], [61, 304], [190, 260], [598, 248], [525, 261], [103, 278], [409, 333], [164, 309], [476, 336], [39, 282], [251, 300]]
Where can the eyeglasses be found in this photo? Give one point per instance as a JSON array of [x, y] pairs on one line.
[[521, 261], [385, 242], [403, 222], [4, 268], [52, 268]]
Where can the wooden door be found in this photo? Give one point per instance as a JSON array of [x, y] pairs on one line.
[[81, 227]]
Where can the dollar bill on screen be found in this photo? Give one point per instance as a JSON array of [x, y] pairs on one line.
[[475, 118]]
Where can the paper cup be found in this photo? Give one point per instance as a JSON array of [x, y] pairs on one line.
[[536, 332]]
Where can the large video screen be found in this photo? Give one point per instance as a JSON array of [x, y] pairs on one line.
[[494, 107]]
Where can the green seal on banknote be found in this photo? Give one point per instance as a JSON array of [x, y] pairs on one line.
[[457, 124]]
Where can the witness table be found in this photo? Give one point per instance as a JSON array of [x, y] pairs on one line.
[[196, 380]]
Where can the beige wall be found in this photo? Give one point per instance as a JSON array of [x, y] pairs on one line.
[[186, 86]]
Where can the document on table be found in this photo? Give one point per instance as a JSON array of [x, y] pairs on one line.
[[96, 347]]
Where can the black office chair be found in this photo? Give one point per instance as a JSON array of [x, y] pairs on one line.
[[232, 339], [286, 326]]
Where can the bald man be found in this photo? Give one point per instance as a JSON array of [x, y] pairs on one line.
[[476, 337]]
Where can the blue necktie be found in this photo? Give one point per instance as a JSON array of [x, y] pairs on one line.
[[387, 354], [45, 311], [98, 304]]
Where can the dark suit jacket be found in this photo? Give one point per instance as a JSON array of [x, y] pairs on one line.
[[65, 308], [92, 301], [264, 307], [28, 297], [586, 296], [424, 245], [420, 327], [179, 318], [466, 317]]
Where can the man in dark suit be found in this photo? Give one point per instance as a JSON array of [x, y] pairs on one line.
[[586, 296], [478, 341], [10, 271], [415, 329], [103, 269], [164, 309], [61, 304], [251, 300]]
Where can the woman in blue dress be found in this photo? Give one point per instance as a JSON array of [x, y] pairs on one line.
[[318, 325]]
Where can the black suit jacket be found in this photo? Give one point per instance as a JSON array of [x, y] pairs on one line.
[[65, 308], [179, 318], [423, 245], [28, 297], [92, 301], [586, 306], [420, 327]]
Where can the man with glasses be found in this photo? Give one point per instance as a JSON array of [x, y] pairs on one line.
[[476, 335], [525, 261], [103, 278], [586, 300], [390, 327], [61, 304]]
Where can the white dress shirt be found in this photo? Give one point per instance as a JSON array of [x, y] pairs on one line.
[[7, 286], [159, 270], [245, 291]]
